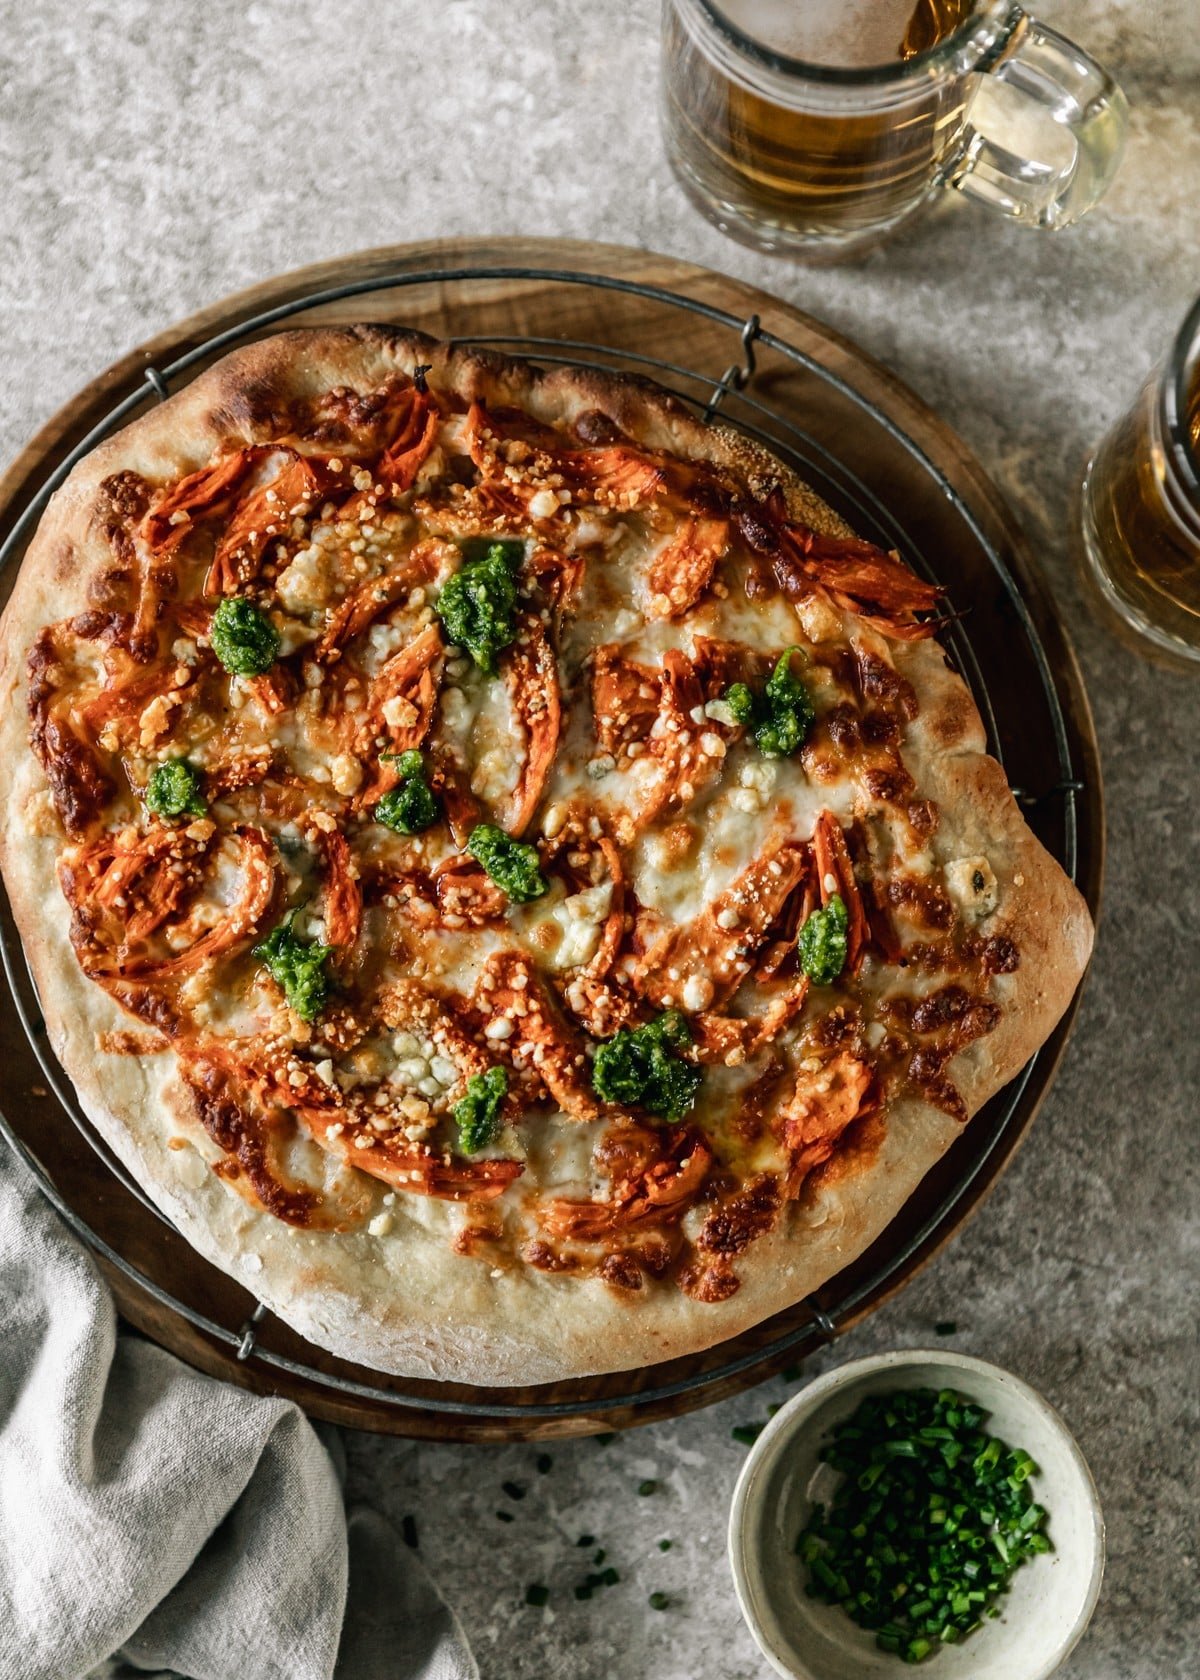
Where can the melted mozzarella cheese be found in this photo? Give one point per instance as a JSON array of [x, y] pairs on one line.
[[478, 722], [560, 1156]]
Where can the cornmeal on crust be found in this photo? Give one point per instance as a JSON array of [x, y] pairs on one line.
[[556, 1083]]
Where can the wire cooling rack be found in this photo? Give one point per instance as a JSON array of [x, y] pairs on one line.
[[732, 396]]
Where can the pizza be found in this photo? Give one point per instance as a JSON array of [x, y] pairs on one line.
[[508, 870]]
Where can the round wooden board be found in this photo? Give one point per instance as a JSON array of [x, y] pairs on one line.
[[865, 428]]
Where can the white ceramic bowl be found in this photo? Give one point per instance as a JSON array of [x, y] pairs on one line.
[[1052, 1595]]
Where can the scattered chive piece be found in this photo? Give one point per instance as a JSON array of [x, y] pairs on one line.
[[600, 1555], [947, 1327], [542, 1463], [586, 1540], [537, 1595], [601, 1578], [793, 1373], [658, 1601], [664, 1545], [504, 1516], [647, 1487], [408, 1529], [514, 1490], [603, 1440], [775, 1406], [747, 1433], [930, 1521]]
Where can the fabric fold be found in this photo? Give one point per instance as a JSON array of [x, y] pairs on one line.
[[153, 1519]]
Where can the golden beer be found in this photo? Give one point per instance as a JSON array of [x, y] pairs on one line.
[[819, 126], [1141, 505]]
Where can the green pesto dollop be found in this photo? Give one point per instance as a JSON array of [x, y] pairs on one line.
[[409, 807], [243, 638], [511, 863], [478, 605], [740, 700], [640, 1066], [781, 716], [477, 1113], [821, 942], [297, 967], [174, 790]]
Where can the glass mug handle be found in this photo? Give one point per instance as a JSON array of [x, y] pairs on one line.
[[1044, 79]]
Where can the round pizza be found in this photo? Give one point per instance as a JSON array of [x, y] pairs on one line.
[[509, 871]]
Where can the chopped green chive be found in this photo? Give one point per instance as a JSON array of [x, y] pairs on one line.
[[537, 1595], [599, 1555], [664, 1545], [603, 1440], [658, 1601], [586, 1540], [647, 1487], [514, 1490], [596, 1578], [504, 1516], [747, 1433], [945, 1327], [928, 1524], [408, 1530], [543, 1463]]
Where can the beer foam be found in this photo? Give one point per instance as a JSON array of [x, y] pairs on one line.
[[845, 34]]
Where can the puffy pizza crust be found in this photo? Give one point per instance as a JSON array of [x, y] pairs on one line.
[[401, 1300]]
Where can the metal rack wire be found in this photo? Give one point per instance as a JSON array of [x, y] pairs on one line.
[[730, 396]]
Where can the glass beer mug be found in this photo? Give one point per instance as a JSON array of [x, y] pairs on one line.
[[817, 127], [1141, 505]]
